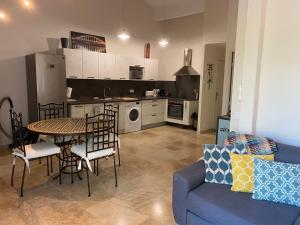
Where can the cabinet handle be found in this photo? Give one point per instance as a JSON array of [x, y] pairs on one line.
[[78, 106], [154, 105], [122, 78], [90, 77], [74, 77], [154, 115]]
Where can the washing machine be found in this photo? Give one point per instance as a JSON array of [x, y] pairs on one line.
[[133, 120]]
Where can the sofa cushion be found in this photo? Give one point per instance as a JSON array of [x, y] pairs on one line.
[[243, 171], [218, 205], [288, 154], [217, 162], [256, 145], [277, 182]]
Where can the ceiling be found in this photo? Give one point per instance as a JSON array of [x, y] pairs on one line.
[[169, 9]]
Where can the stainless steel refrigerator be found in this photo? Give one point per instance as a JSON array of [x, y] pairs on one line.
[[46, 81]]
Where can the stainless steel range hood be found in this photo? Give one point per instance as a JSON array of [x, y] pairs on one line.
[[187, 69]]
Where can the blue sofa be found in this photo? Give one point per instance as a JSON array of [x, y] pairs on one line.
[[198, 203]]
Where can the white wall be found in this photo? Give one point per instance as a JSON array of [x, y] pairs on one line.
[[29, 31], [268, 68], [279, 89], [184, 32]]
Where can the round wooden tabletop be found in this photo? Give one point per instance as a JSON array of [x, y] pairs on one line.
[[59, 126]]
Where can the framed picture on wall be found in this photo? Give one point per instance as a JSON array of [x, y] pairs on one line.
[[88, 42]]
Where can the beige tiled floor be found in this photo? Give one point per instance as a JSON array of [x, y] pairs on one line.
[[143, 196]]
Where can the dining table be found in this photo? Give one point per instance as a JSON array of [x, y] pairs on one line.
[[66, 132]]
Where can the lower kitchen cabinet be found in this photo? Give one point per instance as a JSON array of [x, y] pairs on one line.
[[153, 112], [122, 117], [76, 111]]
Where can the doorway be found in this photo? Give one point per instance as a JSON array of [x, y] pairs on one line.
[[212, 86]]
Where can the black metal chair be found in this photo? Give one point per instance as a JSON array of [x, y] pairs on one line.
[[110, 109], [51, 111], [100, 143], [27, 152]]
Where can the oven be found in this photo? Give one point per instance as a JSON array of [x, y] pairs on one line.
[[175, 109]]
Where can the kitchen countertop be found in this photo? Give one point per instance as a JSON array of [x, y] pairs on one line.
[[80, 101]]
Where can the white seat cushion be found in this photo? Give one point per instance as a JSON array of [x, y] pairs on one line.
[[41, 149], [80, 150]]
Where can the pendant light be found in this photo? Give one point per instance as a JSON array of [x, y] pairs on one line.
[[163, 42], [124, 35]]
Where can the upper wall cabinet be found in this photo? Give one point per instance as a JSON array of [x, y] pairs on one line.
[[73, 62], [123, 63], [107, 66], [151, 69], [90, 68]]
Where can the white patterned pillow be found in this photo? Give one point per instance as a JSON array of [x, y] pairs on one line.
[[277, 182], [217, 162]]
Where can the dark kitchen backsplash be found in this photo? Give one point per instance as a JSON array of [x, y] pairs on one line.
[[183, 87]]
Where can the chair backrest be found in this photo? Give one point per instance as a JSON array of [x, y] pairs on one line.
[[99, 130], [17, 131], [111, 109], [51, 111]]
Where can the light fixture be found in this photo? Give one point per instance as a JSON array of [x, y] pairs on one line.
[[3, 17], [163, 43], [124, 36], [26, 3]]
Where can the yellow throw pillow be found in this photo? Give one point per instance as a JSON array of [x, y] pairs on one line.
[[243, 171]]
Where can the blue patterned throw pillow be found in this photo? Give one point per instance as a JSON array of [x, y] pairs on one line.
[[217, 162], [277, 182]]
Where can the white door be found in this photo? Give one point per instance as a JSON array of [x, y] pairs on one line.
[[90, 65], [107, 66], [151, 69], [219, 89], [73, 63]]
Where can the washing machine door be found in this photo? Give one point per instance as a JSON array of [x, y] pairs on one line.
[[133, 115]]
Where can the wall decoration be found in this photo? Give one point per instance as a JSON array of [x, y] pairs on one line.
[[147, 51], [88, 42], [210, 69]]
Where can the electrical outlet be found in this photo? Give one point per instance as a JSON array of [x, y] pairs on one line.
[[131, 91]]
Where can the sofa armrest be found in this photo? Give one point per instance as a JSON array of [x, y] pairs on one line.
[[184, 181], [297, 221]]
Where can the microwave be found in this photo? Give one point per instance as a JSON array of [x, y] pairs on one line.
[[136, 72]]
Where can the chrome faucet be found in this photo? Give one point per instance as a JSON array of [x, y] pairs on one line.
[[105, 91]]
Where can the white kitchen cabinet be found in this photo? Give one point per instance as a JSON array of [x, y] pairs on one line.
[[122, 117], [151, 69], [90, 68], [98, 108], [124, 62], [107, 66], [153, 111], [89, 109], [73, 62], [77, 111]]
